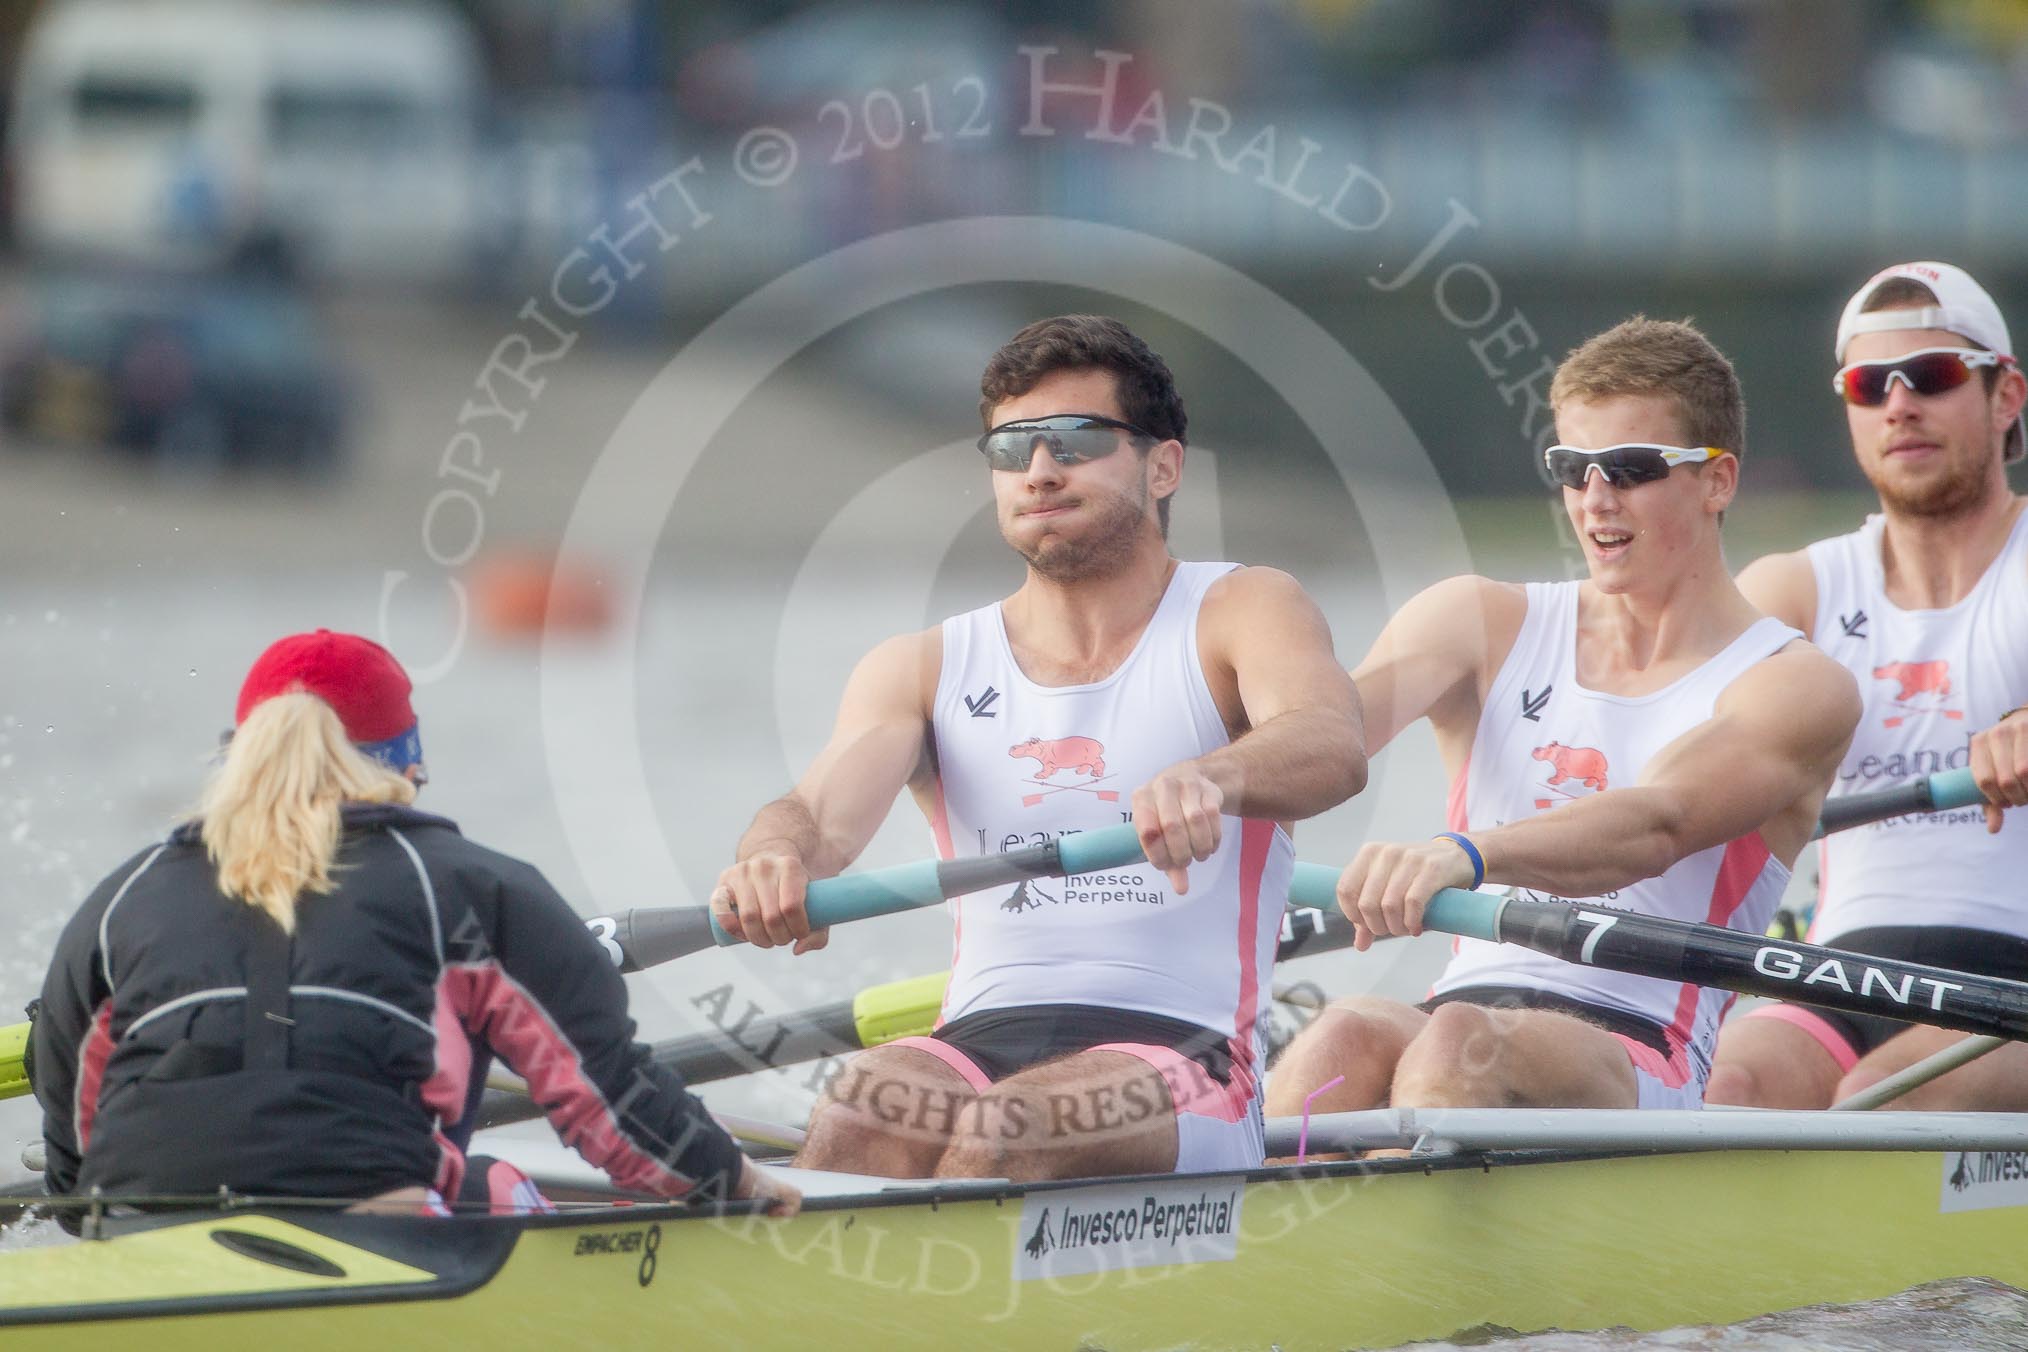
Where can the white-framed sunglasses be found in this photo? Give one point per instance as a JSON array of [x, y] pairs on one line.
[[1623, 466], [1930, 371]]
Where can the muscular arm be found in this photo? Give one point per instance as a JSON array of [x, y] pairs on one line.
[[1266, 653], [818, 828], [1784, 586], [1762, 762], [1304, 750], [1434, 658]]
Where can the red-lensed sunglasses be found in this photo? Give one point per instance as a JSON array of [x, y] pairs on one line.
[[1933, 370]]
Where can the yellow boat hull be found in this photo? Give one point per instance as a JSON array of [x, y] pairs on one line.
[[1347, 1256]]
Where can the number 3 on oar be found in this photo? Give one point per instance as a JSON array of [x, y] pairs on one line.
[[643, 938]]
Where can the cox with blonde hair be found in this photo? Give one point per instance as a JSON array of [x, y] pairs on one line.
[[299, 992]]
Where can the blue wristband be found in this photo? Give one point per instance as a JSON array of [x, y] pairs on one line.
[[1471, 852]]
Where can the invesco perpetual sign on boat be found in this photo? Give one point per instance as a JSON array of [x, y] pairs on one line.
[[1113, 1227], [1785, 964]]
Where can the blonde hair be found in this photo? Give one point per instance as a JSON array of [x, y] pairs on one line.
[[270, 812], [1662, 357]]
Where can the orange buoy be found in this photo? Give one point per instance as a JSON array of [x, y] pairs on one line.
[[516, 593]]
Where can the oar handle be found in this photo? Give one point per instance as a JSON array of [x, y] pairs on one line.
[[643, 938], [860, 896], [1476, 915], [1939, 792]]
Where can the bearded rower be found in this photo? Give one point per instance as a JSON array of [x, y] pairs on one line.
[[1927, 604]]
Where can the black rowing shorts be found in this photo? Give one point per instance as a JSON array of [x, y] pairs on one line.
[[1982, 952], [1004, 1042], [1523, 997]]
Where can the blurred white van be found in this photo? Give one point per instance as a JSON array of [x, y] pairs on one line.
[[173, 132]]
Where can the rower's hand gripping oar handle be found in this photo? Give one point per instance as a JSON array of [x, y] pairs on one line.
[[1472, 914], [643, 938], [1932, 793], [1315, 885], [1707, 955]]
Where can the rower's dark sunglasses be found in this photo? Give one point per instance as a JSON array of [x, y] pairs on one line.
[[1071, 439], [1623, 466], [1934, 370]]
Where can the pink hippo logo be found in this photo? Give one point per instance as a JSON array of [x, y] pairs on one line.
[[1064, 753], [1081, 755], [1914, 679], [1581, 763], [1917, 678]]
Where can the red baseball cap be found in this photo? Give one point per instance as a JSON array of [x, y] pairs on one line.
[[357, 677]]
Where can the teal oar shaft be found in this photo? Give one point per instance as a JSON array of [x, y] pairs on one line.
[[1450, 910], [1932, 793], [860, 896], [644, 938]]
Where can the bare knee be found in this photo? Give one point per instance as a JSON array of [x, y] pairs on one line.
[[1004, 1134], [1333, 1037], [1455, 1058], [1755, 1082], [877, 1116], [1857, 1081], [1352, 1042], [1735, 1085], [839, 1136], [1767, 1063]]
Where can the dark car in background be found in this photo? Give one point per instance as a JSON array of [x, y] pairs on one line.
[[202, 373]]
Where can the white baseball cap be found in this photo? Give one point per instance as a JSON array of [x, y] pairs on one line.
[[1962, 307]]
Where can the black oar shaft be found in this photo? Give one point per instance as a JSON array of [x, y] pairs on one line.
[[1308, 930], [1944, 790], [768, 1042], [1754, 965]]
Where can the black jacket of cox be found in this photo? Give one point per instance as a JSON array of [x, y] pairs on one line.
[[356, 1071]]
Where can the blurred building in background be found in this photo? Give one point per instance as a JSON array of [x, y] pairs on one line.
[[1743, 161]]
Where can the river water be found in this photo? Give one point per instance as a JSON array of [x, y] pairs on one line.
[[1965, 1315]]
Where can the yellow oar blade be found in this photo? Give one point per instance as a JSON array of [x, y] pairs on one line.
[[899, 1008], [13, 1047]]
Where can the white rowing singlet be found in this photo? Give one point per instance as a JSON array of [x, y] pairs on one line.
[[1929, 679], [1543, 741], [1020, 764]]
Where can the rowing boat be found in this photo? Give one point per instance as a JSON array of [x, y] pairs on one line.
[[1319, 1256], [1520, 1219]]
